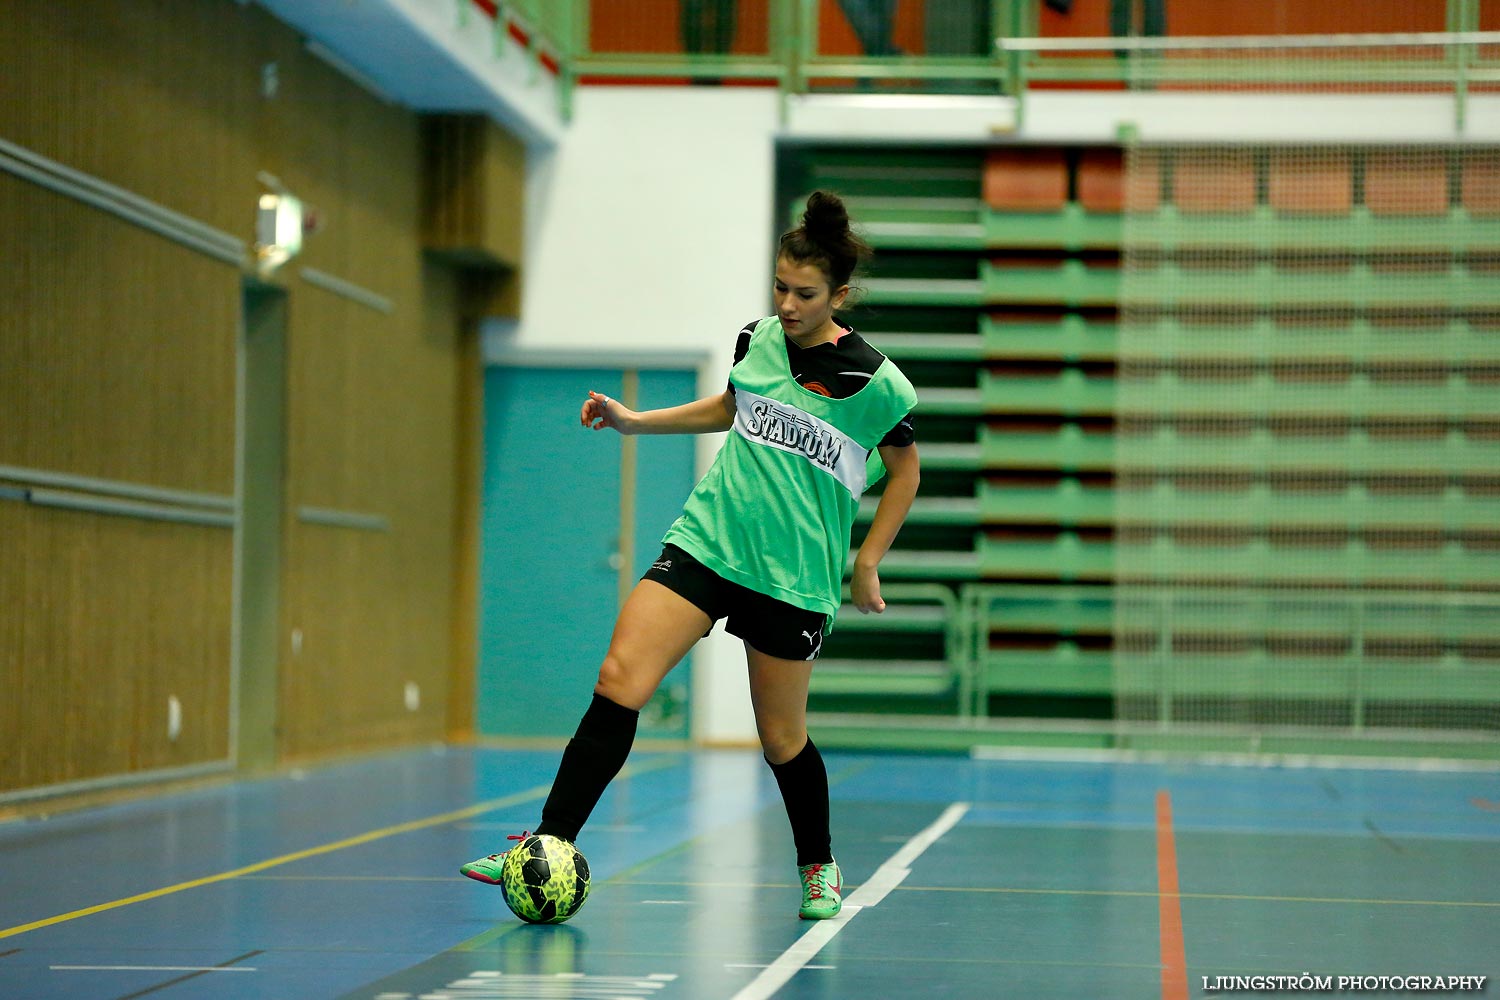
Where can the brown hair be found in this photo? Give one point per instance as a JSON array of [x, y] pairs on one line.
[[825, 239]]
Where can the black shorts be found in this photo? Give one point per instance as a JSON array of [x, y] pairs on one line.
[[773, 627]]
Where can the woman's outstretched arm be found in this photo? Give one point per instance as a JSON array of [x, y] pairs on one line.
[[702, 416]]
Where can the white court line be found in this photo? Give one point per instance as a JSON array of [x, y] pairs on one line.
[[763, 965], [886, 878], [153, 968]]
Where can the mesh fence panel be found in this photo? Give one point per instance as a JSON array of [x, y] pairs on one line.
[[1308, 437]]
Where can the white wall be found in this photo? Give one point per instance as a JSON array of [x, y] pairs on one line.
[[649, 229]]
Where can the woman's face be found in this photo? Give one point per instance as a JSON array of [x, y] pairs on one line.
[[803, 298]]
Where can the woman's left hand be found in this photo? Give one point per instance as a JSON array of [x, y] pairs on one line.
[[864, 587]]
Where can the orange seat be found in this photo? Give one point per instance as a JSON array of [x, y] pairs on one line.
[[1409, 182], [1214, 181], [1101, 180], [1480, 187], [1025, 179], [1310, 182], [1141, 185]]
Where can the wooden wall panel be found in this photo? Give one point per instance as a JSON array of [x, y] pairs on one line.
[[118, 362], [115, 615], [152, 96], [443, 291], [118, 357], [338, 679], [473, 190], [371, 430]]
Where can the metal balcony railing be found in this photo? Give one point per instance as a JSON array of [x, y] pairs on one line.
[[1002, 47]]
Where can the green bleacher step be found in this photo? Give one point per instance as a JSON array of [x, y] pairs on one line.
[[911, 209], [912, 564], [944, 456], [1266, 231], [1256, 674], [964, 292], [929, 346], [1354, 453], [1068, 283], [1069, 339], [1429, 616], [889, 178], [929, 510], [1306, 618], [1359, 397], [1070, 228], [1069, 449], [1064, 670], [1265, 285], [1355, 508], [1358, 343], [1244, 614], [1261, 341], [895, 618], [1068, 504], [1353, 563], [923, 235], [1065, 558], [1045, 610], [920, 678], [1068, 393], [950, 402]]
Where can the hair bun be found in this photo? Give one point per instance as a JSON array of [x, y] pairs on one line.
[[825, 220], [826, 239]]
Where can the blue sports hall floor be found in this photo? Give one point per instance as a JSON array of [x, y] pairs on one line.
[[965, 878]]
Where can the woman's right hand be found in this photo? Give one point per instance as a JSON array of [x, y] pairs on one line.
[[599, 411]]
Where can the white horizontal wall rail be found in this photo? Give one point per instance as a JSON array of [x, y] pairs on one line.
[[330, 517], [115, 488], [1415, 39], [122, 204], [68, 500], [117, 781], [348, 289]]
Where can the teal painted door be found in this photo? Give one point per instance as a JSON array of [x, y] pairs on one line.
[[552, 543], [663, 479]]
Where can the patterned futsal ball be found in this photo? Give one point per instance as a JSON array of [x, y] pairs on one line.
[[545, 879]]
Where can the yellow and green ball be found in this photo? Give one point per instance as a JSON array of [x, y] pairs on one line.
[[545, 879]]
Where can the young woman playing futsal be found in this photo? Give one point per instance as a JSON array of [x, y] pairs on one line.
[[817, 415]]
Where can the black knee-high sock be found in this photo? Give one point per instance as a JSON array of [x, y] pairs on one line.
[[804, 788], [593, 757]]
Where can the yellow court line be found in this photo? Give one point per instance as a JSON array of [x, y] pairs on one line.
[[347, 878], [312, 852]]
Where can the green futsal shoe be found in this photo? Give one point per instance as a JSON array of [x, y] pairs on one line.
[[821, 886], [488, 869]]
